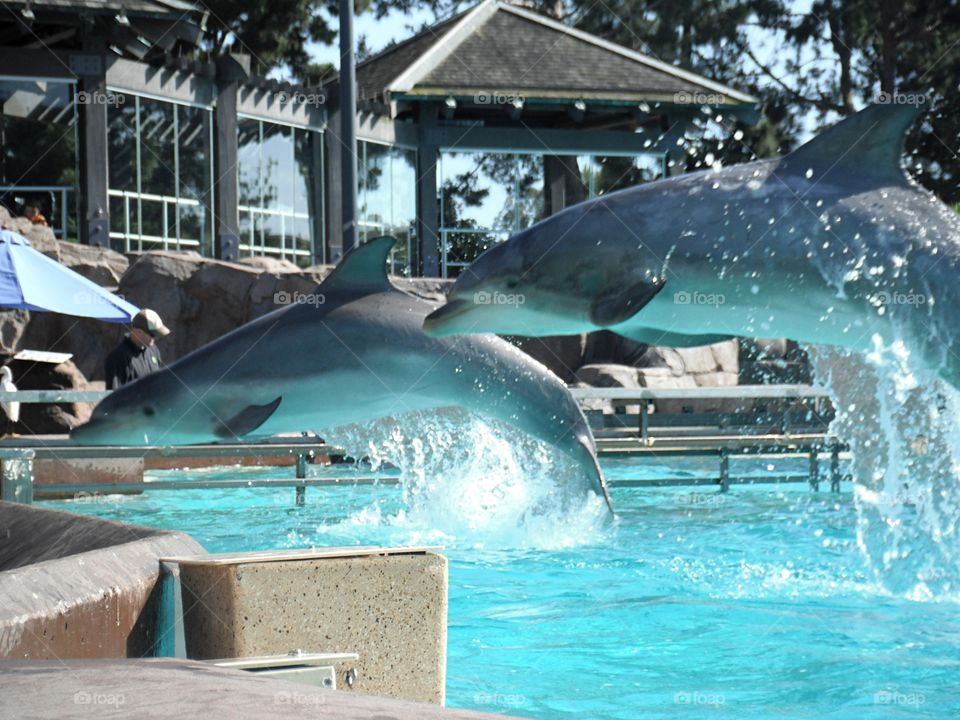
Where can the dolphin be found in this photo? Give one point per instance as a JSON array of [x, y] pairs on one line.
[[830, 244], [354, 352]]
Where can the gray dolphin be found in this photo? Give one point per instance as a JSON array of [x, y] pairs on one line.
[[354, 354], [830, 244]]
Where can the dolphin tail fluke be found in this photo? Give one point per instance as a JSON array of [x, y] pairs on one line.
[[864, 148]]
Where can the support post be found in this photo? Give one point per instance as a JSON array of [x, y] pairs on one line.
[[814, 469], [724, 471], [348, 128], [301, 474], [92, 116], [428, 215], [835, 468], [227, 198], [644, 420]]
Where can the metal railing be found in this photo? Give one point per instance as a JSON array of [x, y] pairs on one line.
[[165, 240], [251, 246], [54, 191]]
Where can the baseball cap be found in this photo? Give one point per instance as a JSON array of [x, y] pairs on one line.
[[148, 321]]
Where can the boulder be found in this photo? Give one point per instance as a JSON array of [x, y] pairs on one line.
[[604, 346], [608, 375], [762, 348], [13, 324], [662, 357], [563, 354], [698, 359], [272, 265], [101, 265], [664, 378], [727, 355], [47, 419]]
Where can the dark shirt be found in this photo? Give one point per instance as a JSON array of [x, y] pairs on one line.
[[129, 361]]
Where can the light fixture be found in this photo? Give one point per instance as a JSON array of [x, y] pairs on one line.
[[122, 18], [27, 12]]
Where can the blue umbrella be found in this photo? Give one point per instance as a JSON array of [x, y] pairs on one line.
[[29, 280]]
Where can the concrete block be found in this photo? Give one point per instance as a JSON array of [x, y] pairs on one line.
[[389, 606]]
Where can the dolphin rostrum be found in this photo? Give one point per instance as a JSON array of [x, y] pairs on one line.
[[830, 244], [356, 354]]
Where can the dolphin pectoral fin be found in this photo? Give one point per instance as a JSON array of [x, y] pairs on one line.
[[652, 336], [247, 420], [621, 305]]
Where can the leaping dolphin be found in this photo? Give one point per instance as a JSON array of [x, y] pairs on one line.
[[355, 353], [829, 244]]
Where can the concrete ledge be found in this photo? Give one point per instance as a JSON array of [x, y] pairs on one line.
[[162, 689], [389, 605], [79, 587]]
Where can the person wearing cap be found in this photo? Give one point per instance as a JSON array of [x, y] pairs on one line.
[[137, 354]]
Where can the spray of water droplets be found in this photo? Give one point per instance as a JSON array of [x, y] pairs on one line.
[[467, 482], [901, 422]]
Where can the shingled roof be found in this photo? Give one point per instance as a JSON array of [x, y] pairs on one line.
[[496, 47]]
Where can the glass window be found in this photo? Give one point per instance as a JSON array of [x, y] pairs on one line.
[[387, 199], [486, 197], [160, 174], [38, 151], [279, 171]]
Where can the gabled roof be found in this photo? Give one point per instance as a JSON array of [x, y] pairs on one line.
[[501, 48]]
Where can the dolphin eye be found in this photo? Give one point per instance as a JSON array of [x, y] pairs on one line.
[[149, 410]]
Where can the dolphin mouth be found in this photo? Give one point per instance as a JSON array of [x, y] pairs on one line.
[[440, 322]]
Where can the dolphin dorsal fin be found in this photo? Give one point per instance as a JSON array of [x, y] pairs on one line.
[[863, 149], [363, 268]]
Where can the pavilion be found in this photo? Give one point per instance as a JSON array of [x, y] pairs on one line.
[[124, 130]]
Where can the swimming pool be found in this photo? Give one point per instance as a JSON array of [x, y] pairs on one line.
[[757, 603]]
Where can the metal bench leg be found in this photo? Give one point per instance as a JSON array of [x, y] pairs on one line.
[[724, 471], [815, 469], [835, 468], [301, 473]]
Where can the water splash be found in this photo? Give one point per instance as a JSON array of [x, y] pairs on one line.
[[901, 422], [469, 481]]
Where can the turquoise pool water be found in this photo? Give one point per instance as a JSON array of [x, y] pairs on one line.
[[757, 603]]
